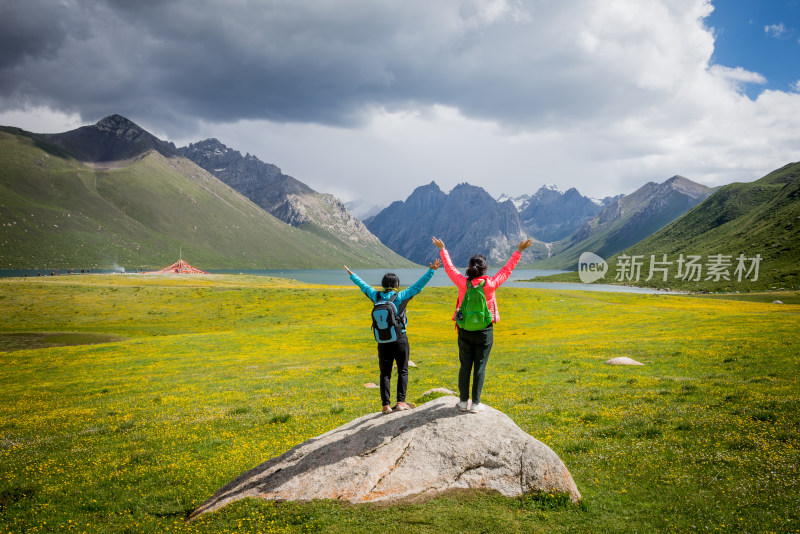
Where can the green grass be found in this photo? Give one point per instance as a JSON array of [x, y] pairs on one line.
[[209, 376]]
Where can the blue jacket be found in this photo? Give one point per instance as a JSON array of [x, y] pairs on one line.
[[402, 296]]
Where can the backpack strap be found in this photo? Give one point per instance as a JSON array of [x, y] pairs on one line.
[[401, 310], [390, 299]]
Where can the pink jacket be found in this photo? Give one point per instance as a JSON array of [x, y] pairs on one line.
[[492, 283]]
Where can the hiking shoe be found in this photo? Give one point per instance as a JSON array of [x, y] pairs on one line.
[[400, 406], [462, 405], [476, 407], [387, 409]]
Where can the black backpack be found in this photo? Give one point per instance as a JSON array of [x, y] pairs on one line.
[[387, 321]]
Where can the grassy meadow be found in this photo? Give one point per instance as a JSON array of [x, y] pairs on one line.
[[127, 400]]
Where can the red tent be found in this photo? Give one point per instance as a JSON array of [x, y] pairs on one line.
[[179, 267]]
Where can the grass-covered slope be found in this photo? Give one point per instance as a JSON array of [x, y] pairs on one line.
[[760, 217], [59, 213], [217, 374]]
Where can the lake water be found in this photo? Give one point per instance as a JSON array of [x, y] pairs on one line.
[[519, 278], [408, 276]]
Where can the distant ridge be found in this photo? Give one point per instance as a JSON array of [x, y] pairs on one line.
[[263, 183], [290, 200], [551, 214], [628, 220]]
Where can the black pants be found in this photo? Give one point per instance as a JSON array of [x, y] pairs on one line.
[[388, 354], [473, 351]]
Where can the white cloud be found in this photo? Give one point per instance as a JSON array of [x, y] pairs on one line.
[[737, 76], [41, 120], [775, 30]]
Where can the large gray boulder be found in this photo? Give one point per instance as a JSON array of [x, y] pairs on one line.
[[424, 451]]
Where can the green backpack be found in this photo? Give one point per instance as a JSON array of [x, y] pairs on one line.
[[474, 313]]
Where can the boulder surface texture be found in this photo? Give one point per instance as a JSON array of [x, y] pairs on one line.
[[419, 452]]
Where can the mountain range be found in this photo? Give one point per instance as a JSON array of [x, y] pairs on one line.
[[562, 224], [284, 197], [112, 193], [551, 214], [468, 219], [627, 220]]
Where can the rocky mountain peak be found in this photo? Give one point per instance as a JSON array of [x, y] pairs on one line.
[[215, 155], [547, 193], [521, 202], [687, 187], [553, 214], [113, 138], [633, 217], [549, 187], [426, 196], [286, 198], [468, 219], [261, 182], [118, 123], [212, 144]]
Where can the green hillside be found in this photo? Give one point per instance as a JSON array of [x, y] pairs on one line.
[[749, 219], [56, 212]]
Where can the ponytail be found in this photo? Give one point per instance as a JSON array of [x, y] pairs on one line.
[[477, 266]]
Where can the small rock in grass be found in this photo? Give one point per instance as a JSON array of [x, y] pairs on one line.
[[622, 360]]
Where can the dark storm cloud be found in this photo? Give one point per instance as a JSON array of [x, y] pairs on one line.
[[304, 61], [26, 34]]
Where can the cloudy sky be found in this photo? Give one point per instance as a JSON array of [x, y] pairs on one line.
[[370, 99]]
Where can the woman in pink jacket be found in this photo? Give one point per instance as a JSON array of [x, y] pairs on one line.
[[474, 346]]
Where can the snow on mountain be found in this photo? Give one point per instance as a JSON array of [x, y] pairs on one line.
[[521, 202]]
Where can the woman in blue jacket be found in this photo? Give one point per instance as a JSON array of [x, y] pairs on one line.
[[397, 350]]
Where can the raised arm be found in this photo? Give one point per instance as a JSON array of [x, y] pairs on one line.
[[456, 277], [503, 274], [368, 290], [417, 286]]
